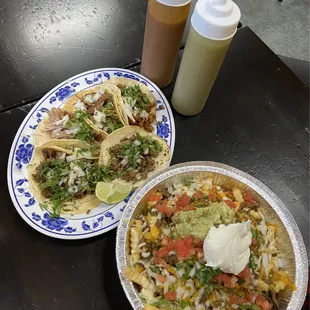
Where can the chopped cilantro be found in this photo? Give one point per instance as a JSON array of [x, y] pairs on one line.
[[184, 303], [132, 150], [53, 181], [112, 121], [135, 92], [187, 266], [206, 274], [257, 235], [162, 302], [267, 295], [241, 281], [85, 133], [252, 263], [155, 269], [208, 289], [99, 173], [188, 181]]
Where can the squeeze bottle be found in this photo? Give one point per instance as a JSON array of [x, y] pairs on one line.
[[164, 29], [213, 25]]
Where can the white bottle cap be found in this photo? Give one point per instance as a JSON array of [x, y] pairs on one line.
[[174, 2], [216, 19]]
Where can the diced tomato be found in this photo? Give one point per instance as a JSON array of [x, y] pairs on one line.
[[248, 197], [183, 201], [237, 300], [262, 302], [182, 204], [198, 195], [171, 296], [164, 251], [153, 196], [161, 278], [188, 241], [183, 248], [230, 203], [245, 274], [212, 197], [251, 296], [229, 281], [161, 207]]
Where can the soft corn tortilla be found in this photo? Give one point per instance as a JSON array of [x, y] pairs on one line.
[[42, 136], [82, 205], [106, 88], [161, 161], [130, 82]]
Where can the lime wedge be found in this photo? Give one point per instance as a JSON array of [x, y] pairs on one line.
[[112, 193]]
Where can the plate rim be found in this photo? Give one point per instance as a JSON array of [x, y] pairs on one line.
[[21, 127]]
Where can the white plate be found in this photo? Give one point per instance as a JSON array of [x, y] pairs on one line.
[[104, 217]]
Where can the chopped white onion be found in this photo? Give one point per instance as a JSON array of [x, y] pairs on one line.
[[124, 162], [62, 120], [80, 105], [145, 254], [144, 114], [73, 189], [97, 96], [192, 272], [89, 98]]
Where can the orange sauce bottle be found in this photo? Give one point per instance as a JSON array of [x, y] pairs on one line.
[[165, 23]]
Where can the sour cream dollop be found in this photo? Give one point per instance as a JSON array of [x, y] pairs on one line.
[[227, 247]]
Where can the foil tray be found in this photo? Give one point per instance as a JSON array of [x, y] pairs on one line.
[[289, 240]]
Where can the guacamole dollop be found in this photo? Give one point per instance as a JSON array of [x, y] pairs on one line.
[[198, 222]]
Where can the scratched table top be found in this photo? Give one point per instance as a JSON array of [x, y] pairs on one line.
[[51, 41], [256, 119]]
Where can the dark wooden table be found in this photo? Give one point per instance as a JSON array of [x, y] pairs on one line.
[[45, 42], [256, 119]]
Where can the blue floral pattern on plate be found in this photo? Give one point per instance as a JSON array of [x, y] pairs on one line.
[[24, 152], [162, 128], [64, 92], [53, 223], [102, 218]]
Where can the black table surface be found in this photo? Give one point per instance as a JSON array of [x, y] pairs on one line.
[[42, 43], [256, 119]]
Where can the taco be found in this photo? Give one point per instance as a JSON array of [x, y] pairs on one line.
[[101, 104], [66, 124], [138, 103], [134, 155], [63, 176]]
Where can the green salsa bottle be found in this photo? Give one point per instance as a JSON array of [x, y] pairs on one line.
[[213, 25]]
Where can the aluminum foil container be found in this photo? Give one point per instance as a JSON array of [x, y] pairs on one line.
[[290, 242]]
